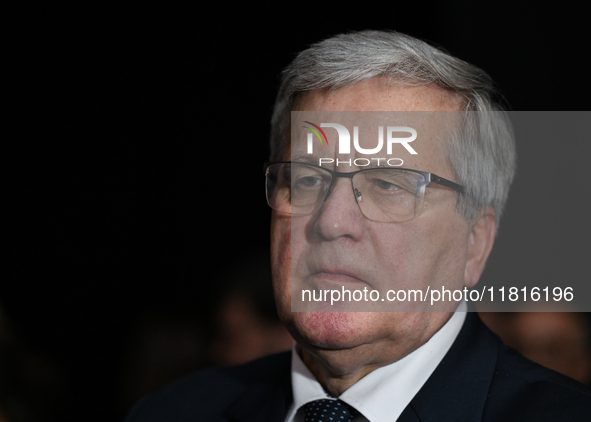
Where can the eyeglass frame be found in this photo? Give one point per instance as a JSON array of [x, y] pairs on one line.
[[429, 177]]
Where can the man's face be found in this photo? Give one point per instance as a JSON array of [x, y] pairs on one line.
[[349, 250]]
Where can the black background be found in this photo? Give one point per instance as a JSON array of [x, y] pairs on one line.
[[134, 174]]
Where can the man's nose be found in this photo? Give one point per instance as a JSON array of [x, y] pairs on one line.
[[340, 214]]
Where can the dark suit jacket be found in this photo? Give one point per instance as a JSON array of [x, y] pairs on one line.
[[479, 379]]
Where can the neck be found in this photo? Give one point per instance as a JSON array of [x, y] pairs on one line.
[[338, 369]]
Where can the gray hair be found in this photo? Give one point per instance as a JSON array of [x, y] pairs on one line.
[[482, 156]]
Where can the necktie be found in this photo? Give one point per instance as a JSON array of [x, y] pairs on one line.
[[326, 410]]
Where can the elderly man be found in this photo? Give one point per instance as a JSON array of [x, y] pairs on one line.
[[429, 224]]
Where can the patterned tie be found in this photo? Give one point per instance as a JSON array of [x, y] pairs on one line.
[[326, 410]]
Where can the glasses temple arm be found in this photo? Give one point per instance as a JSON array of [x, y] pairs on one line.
[[444, 182]]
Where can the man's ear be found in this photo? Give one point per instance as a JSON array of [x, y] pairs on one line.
[[482, 237]]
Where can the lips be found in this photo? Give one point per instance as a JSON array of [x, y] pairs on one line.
[[334, 268], [337, 275]]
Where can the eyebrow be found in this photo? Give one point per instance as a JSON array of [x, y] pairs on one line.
[[307, 158], [314, 159]]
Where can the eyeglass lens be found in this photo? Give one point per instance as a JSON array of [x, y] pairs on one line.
[[385, 195]]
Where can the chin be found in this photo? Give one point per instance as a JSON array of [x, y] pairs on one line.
[[331, 330]]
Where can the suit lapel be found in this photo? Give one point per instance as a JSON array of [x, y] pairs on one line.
[[458, 388]]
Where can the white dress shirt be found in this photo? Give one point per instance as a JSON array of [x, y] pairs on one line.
[[381, 395]]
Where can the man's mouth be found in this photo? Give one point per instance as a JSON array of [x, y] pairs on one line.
[[336, 276]]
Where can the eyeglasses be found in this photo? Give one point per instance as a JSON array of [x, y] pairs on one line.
[[383, 194]]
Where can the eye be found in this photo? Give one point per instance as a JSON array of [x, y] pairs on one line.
[[382, 184], [310, 181]]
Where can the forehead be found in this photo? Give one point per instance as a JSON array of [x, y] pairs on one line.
[[378, 94]]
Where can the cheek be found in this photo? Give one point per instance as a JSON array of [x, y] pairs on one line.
[[281, 261], [445, 252], [422, 252], [397, 248]]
